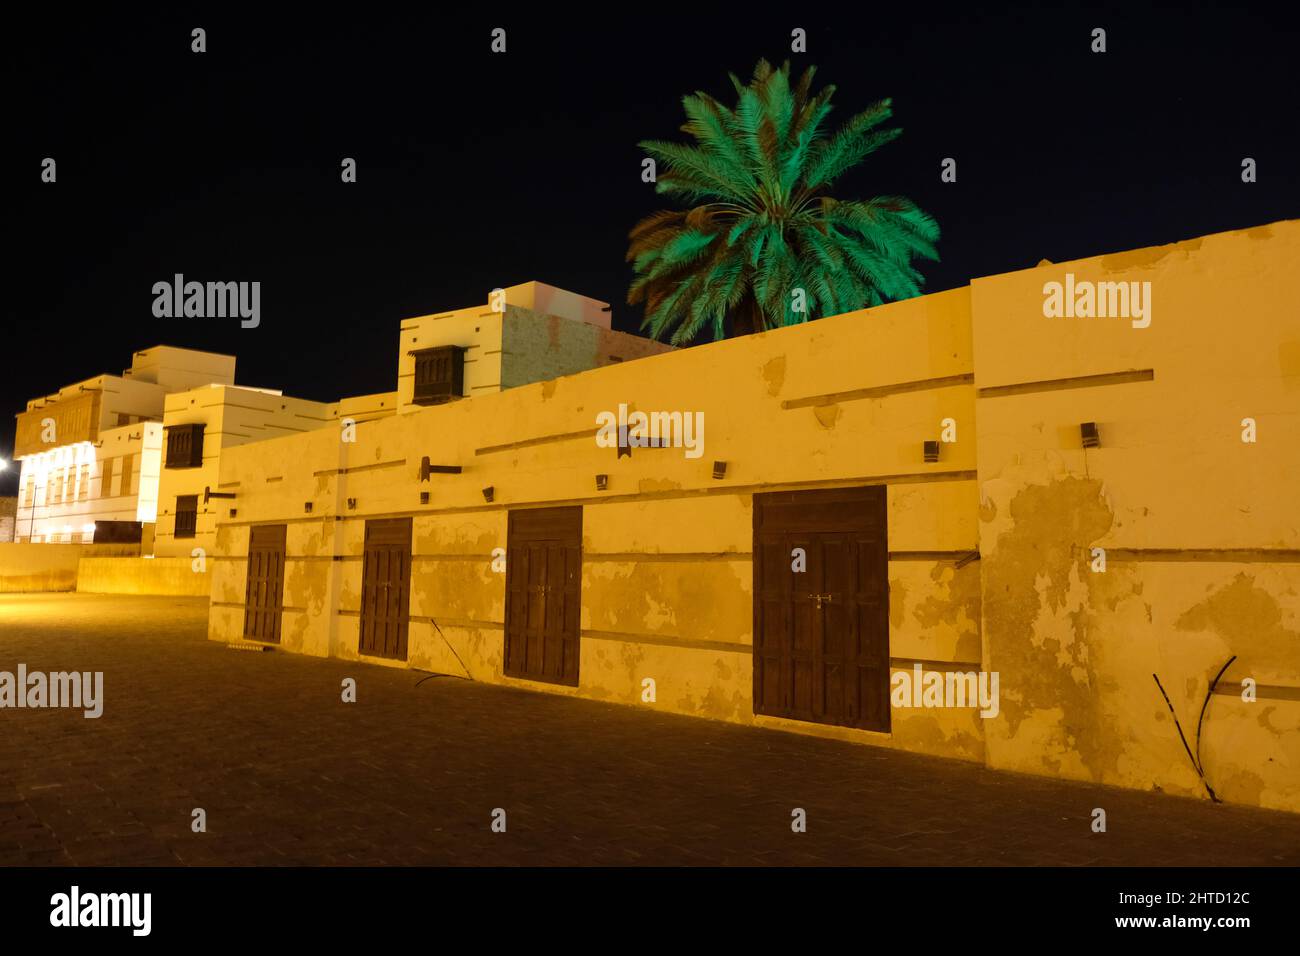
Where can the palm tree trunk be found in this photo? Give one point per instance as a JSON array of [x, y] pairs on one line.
[[746, 318]]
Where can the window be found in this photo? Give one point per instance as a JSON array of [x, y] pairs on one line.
[[106, 478], [128, 473], [118, 532], [185, 446], [29, 492], [439, 374], [69, 483], [187, 515], [54, 494], [83, 482]]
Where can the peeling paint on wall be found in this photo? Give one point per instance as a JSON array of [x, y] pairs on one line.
[[774, 374]]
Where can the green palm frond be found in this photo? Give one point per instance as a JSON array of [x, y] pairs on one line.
[[760, 225]]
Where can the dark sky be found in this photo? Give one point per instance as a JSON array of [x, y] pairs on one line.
[[479, 170]]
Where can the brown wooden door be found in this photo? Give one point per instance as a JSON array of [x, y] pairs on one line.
[[386, 588], [544, 594], [264, 592], [821, 635]]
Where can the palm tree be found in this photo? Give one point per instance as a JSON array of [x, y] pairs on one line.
[[761, 226]]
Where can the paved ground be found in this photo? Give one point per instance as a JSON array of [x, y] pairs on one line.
[[288, 774]]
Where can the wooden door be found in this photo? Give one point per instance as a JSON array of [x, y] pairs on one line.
[[264, 591], [544, 594], [821, 635], [386, 588]]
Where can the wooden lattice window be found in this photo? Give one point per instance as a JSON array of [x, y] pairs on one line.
[[187, 515], [439, 374], [184, 446]]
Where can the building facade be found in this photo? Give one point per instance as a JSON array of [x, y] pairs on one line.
[[135, 457], [524, 334], [200, 425], [91, 452], [965, 524]]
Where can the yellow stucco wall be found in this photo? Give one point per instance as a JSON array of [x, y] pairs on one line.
[[477, 329], [667, 581], [1201, 530], [667, 576], [231, 416], [49, 567], [139, 575]]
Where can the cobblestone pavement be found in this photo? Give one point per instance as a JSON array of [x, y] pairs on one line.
[[410, 774]]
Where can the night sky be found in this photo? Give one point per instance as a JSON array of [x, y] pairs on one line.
[[478, 170]]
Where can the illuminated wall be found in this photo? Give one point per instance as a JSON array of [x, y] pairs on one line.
[[64, 491], [230, 416], [991, 563], [92, 450], [536, 333], [1190, 500], [146, 509]]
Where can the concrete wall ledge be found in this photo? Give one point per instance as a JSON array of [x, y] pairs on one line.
[[50, 567], [128, 575]]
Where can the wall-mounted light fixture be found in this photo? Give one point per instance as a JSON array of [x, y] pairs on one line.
[[424, 497], [602, 482], [489, 493], [209, 494], [931, 451], [719, 469], [1091, 437], [306, 507], [427, 469]]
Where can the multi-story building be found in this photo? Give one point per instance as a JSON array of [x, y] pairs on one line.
[[91, 451], [525, 333], [136, 457]]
